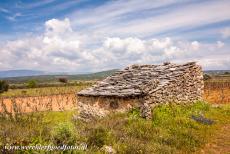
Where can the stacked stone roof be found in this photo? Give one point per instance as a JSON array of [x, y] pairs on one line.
[[135, 80]]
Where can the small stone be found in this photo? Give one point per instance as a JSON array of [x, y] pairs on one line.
[[108, 149]]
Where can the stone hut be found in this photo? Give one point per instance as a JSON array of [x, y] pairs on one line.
[[145, 86]]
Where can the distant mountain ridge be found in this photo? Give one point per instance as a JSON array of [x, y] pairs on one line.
[[20, 73], [213, 72], [49, 77], [18, 76], [33, 73]]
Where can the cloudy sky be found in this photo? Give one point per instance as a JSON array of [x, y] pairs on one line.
[[95, 35]]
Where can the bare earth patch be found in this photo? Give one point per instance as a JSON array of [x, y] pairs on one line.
[[38, 103], [220, 143]]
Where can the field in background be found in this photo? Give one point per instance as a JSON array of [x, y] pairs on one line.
[[217, 92], [44, 91], [217, 88], [64, 97], [60, 98]]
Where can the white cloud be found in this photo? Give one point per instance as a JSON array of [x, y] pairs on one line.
[[225, 32], [180, 18], [33, 5], [161, 44], [146, 18], [131, 45], [60, 48], [220, 44], [195, 45], [115, 9], [4, 10], [14, 16], [159, 50], [57, 47], [215, 62], [55, 26]]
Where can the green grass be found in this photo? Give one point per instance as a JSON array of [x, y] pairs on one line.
[[170, 131]]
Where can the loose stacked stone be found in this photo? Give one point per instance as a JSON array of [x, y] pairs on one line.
[[176, 83], [88, 113], [156, 84]]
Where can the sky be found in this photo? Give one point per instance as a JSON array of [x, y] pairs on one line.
[[96, 35]]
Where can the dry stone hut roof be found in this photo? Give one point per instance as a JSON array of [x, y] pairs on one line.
[[130, 81]]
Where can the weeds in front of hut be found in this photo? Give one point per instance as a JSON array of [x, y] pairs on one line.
[[172, 130]]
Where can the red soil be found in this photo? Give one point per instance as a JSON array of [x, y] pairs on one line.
[[38, 103]]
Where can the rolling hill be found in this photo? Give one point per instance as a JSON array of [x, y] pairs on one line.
[[49, 78], [19, 73]]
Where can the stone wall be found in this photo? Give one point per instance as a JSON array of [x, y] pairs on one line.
[[111, 103], [150, 84], [182, 85], [91, 107]]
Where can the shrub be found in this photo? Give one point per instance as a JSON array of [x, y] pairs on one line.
[[134, 113], [207, 77], [23, 129], [32, 84], [63, 80], [98, 137], [64, 134], [4, 86]]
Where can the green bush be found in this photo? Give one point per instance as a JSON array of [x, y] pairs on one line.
[[64, 134], [4, 86], [207, 77], [134, 113], [63, 80], [98, 137], [32, 84]]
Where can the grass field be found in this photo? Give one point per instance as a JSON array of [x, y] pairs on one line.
[[170, 131]]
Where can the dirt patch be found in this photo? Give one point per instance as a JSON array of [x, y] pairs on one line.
[[39, 103], [220, 144], [217, 95]]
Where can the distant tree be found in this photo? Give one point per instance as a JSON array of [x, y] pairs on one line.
[[207, 77], [226, 73], [63, 80], [32, 84], [4, 86]]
